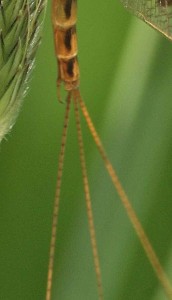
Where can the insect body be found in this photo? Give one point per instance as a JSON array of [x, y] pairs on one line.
[[64, 24], [64, 14]]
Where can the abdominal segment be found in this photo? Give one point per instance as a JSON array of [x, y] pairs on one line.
[[64, 16]]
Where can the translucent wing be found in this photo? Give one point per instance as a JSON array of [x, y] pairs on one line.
[[157, 13]]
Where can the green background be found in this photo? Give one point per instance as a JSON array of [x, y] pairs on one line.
[[126, 71]]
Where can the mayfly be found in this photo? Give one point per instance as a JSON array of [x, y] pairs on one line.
[[64, 13], [64, 16]]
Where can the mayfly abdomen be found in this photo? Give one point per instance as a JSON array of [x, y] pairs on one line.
[[64, 15]]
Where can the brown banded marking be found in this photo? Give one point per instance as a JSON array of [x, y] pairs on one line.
[[67, 8], [64, 14]]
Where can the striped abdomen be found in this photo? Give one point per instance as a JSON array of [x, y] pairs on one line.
[[64, 15]]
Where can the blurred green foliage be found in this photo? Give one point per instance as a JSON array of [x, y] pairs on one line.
[[126, 83]]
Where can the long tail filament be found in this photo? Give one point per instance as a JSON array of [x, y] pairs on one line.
[[88, 200], [143, 238], [57, 200]]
